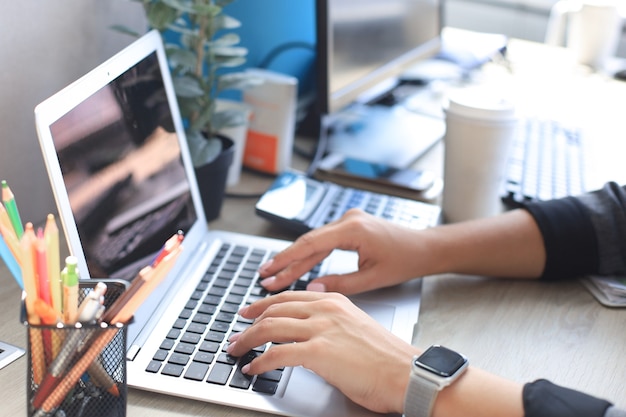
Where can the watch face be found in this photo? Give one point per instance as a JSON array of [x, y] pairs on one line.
[[441, 361]]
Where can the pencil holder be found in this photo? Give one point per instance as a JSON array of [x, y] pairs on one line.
[[77, 371]]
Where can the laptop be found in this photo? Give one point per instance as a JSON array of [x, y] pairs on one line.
[[118, 162]]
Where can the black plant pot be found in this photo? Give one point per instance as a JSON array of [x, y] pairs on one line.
[[212, 179]]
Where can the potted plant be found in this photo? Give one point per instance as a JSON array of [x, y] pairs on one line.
[[200, 44]]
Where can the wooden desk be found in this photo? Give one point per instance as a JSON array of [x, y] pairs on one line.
[[520, 330]]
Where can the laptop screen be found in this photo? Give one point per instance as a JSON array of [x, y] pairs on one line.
[[122, 168]]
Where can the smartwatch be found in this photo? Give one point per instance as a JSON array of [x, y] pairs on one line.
[[431, 371]]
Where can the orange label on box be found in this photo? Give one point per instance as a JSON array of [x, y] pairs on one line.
[[261, 152]]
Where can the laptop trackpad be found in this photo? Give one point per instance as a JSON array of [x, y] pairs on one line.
[[382, 313]]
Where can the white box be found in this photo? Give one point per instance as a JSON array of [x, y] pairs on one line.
[[269, 144]]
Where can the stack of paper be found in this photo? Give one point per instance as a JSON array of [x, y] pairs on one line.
[[610, 291]]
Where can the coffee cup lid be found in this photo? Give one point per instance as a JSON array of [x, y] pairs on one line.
[[480, 103]]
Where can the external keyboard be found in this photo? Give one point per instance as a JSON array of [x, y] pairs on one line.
[[546, 162], [195, 346], [409, 213], [301, 203]]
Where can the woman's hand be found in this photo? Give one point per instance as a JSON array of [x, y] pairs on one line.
[[329, 335], [387, 255]]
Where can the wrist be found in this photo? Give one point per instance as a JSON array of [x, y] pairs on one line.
[[431, 372]]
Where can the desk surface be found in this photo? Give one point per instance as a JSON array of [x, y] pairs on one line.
[[520, 330]]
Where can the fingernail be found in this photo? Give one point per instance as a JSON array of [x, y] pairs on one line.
[[316, 287], [263, 268], [246, 368], [243, 310], [268, 281], [230, 347], [233, 338]]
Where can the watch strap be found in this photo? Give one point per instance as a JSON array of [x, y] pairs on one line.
[[420, 397]]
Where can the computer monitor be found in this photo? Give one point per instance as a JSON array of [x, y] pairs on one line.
[[363, 43], [362, 47]]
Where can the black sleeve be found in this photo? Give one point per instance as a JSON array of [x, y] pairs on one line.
[[545, 399], [585, 234], [569, 238]]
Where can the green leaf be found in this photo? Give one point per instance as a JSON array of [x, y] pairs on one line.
[[125, 30], [181, 58], [228, 39], [160, 15], [238, 81], [226, 22], [188, 87], [228, 118], [228, 62], [209, 10], [193, 8], [204, 118], [223, 3], [229, 51], [203, 150]]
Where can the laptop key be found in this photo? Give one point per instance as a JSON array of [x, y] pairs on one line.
[[153, 367], [172, 369], [226, 358], [274, 375], [190, 337], [219, 326], [160, 355], [204, 357], [208, 346], [265, 386], [219, 374], [178, 359], [196, 371], [214, 336], [241, 380]]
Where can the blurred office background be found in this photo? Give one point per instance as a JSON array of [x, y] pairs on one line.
[[45, 45]]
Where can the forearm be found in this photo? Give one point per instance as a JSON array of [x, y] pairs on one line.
[[480, 394], [509, 245]]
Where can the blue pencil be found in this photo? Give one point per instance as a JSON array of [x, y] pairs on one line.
[[11, 263]]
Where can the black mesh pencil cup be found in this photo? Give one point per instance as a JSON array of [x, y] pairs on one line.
[[77, 371]]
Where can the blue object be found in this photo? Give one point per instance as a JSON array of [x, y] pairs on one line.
[[279, 36], [11, 263]]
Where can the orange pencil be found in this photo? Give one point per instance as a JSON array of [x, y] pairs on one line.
[[168, 247], [125, 297], [46, 313], [154, 278], [51, 238], [27, 244], [43, 290]]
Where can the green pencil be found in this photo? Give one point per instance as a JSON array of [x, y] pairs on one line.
[[9, 204]]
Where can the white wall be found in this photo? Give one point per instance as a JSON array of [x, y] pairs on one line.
[[45, 45]]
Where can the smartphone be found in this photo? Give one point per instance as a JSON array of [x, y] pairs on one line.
[[340, 166]]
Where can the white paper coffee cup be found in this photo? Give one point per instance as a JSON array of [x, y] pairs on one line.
[[480, 127]]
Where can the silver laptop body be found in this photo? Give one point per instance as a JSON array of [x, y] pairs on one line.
[[115, 150]]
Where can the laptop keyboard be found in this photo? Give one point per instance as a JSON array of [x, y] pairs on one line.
[[402, 211], [195, 347], [546, 162]]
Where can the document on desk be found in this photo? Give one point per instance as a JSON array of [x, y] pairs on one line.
[[610, 291], [9, 353]]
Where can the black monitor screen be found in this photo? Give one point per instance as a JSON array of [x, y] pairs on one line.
[[361, 43]]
